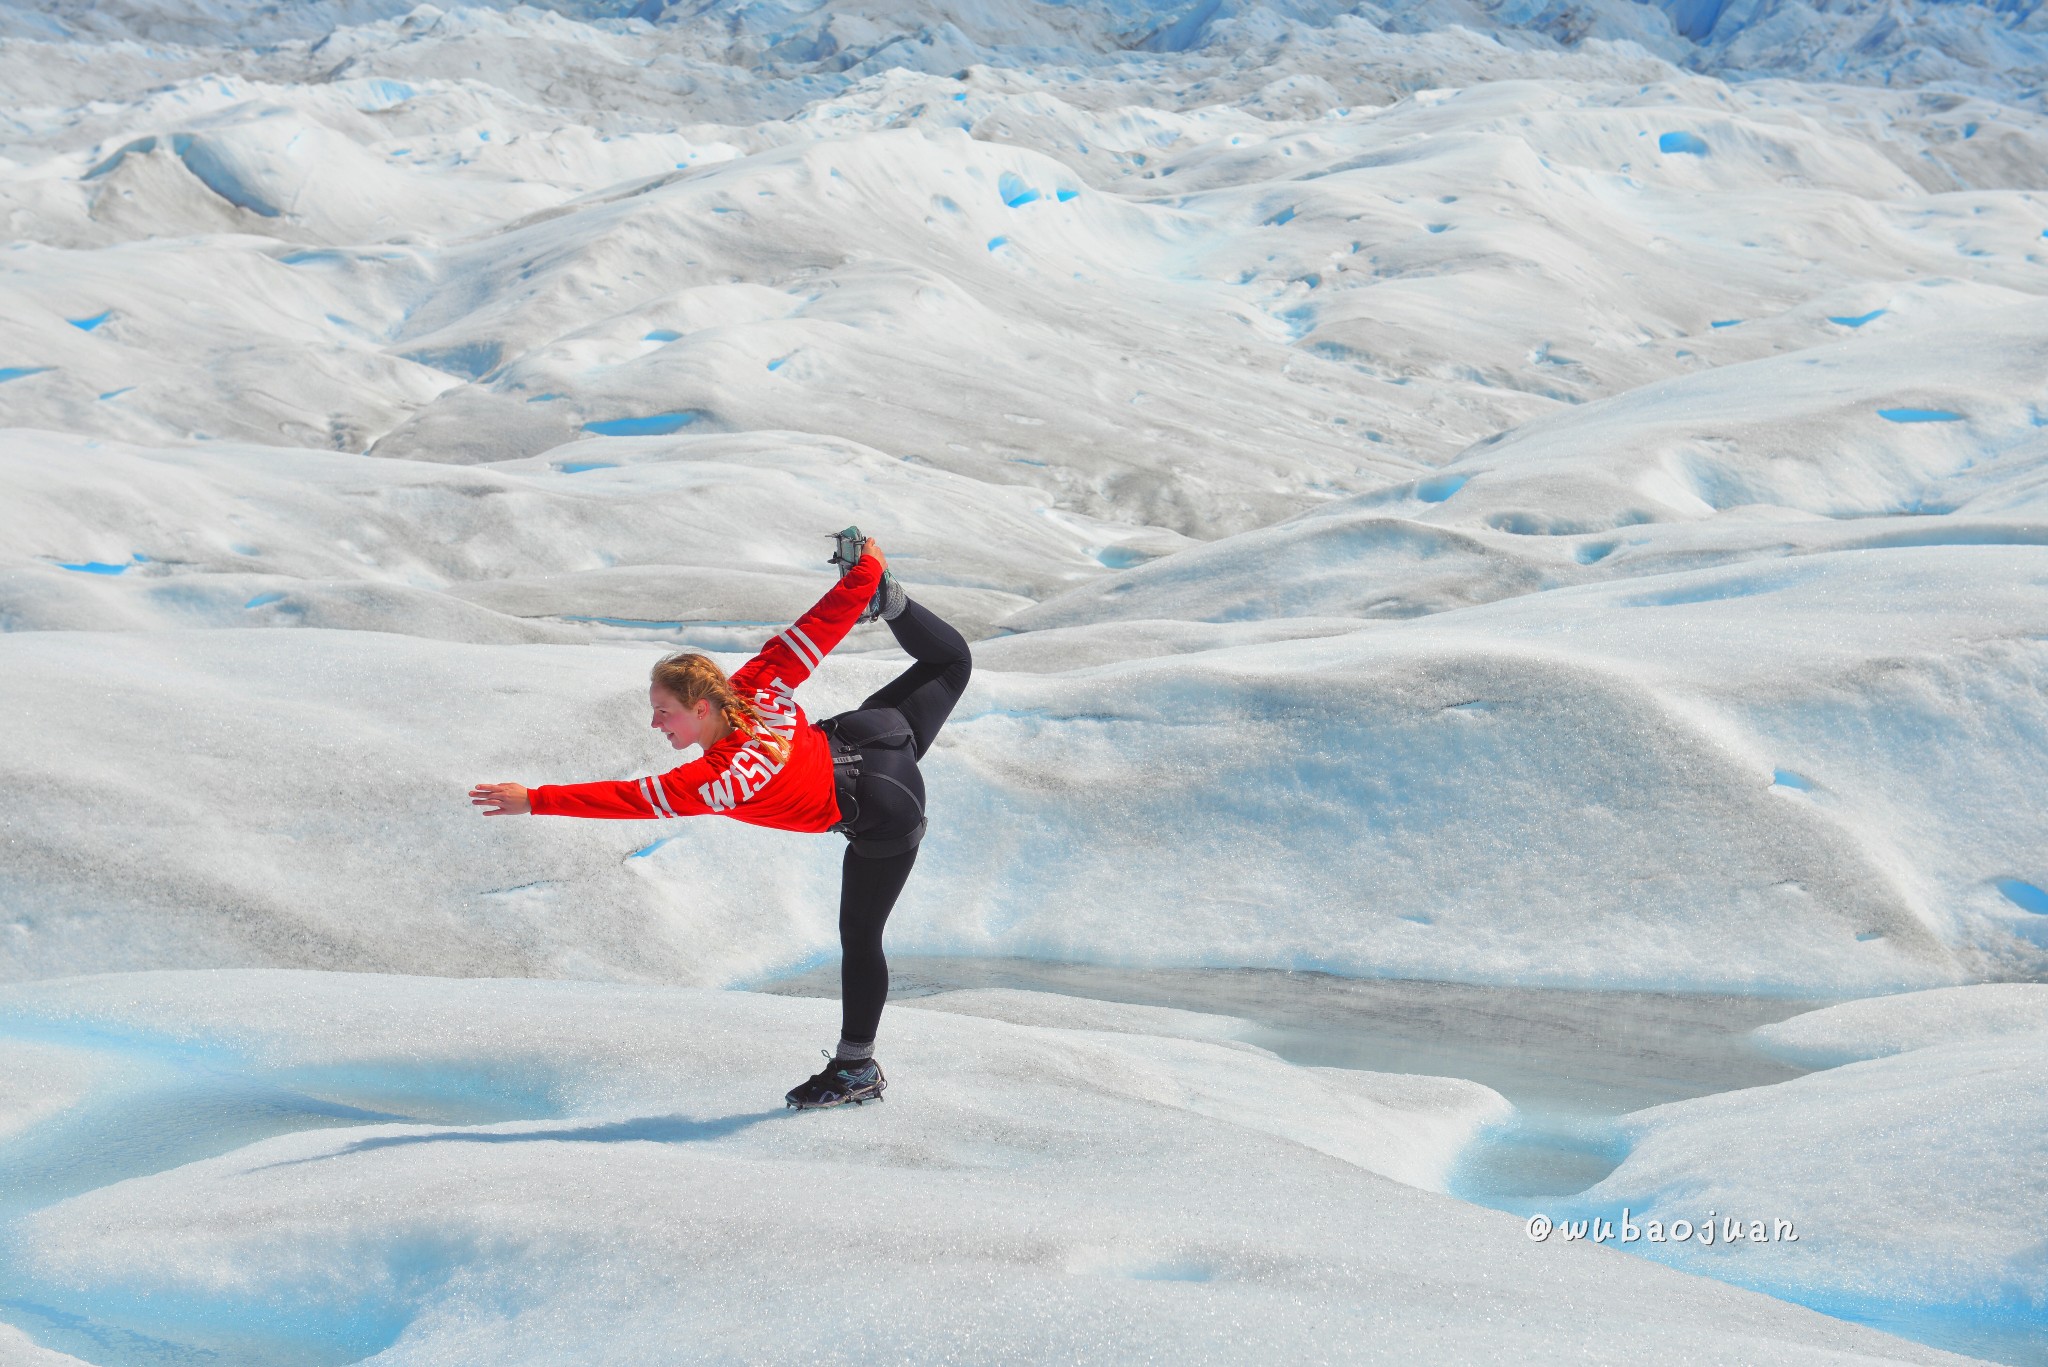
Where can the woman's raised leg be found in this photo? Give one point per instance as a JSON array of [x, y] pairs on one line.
[[926, 691]]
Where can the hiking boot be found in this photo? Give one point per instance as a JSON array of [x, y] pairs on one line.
[[843, 1080], [847, 549]]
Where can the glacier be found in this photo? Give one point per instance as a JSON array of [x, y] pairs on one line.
[[1504, 543]]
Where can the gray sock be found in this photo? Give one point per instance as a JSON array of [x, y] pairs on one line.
[[893, 598], [852, 1052]]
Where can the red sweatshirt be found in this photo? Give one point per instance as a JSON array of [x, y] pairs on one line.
[[737, 777]]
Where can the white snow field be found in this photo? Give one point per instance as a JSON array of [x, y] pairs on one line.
[[1523, 498]]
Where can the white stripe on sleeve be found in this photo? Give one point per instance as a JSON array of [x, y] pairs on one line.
[[796, 649], [648, 798], [660, 794], [811, 645]]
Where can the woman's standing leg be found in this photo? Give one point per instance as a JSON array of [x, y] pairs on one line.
[[868, 888]]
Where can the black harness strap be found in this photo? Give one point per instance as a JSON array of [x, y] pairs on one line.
[[846, 771]]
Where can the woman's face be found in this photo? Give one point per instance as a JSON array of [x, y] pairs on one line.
[[684, 726]]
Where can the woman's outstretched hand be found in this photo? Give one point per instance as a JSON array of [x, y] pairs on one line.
[[500, 799], [874, 548]]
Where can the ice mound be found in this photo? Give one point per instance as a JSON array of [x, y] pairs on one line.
[[659, 533], [1430, 772], [1914, 1177], [1879, 1027]]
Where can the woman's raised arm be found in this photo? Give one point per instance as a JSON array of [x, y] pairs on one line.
[[801, 647]]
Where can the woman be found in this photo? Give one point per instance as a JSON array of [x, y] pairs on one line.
[[763, 763]]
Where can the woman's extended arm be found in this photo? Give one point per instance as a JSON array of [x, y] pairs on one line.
[[790, 657], [500, 799]]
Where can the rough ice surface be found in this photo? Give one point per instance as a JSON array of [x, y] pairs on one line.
[[1916, 1166], [1043, 1184], [1538, 498]]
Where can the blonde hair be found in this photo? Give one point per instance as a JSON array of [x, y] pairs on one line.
[[691, 678]]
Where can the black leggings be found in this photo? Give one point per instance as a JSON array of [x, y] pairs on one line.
[[868, 887]]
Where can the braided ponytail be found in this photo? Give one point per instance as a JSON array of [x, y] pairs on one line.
[[692, 678]]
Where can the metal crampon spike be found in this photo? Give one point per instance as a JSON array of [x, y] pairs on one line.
[[847, 548]]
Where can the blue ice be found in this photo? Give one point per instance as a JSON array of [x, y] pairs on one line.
[[776, 364], [264, 600], [117, 393], [99, 567], [1857, 321], [1171, 1272], [1063, 194], [1284, 216], [88, 324], [997, 241], [544, 398], [1690, 143], [141, 146], [641, 622], [1969, 130], [1785, 778], [1724, 322], [379, 93], [220, 175], [1014, 191], [646, 850], [471, 360], [2023, 895], [1120, 557], [577, 467], [15, 372], [1438, 227], [1919, 415], [649, 624], [662, 335], [653, 425], [1439, 487]]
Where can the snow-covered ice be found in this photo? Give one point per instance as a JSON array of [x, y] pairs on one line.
[[1916, 1166], [1053, 1190], [1544, 500]]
